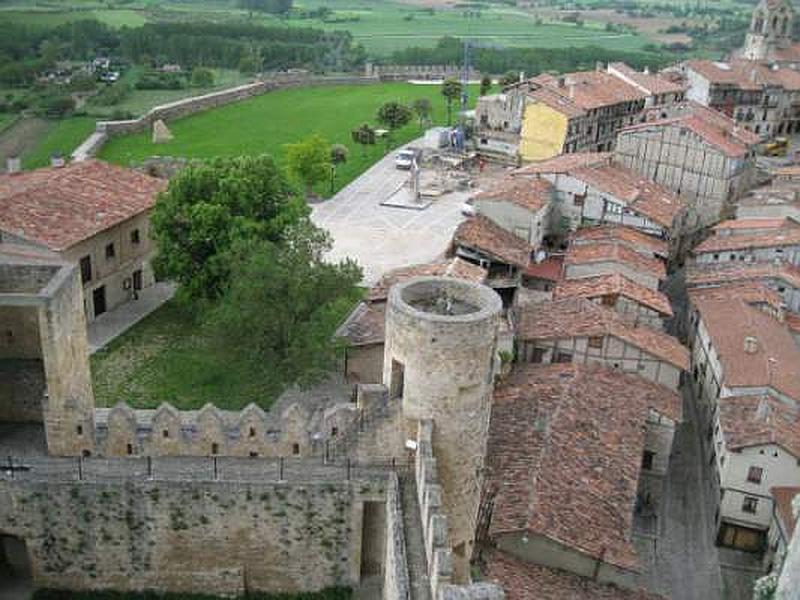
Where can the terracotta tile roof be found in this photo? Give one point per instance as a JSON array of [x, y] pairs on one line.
[[786, 236], [787, 171], [614, 252], [774, 194], [59, 207], [557, 101], [784, 497], [766, 223], [793, 322], [550, 268], [718, 274], [712, 126], [564, 454], [484, 235], [564, 163], [528, 581], [613, 285], [748, 421], [579, 317], [752, 292], [530, 194], [633, 238], [790, 54], [365, 326], [653, 83], [590, 89], [730, 320], [456, 267], [647, 198]]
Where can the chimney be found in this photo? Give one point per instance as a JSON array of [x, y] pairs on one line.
[[750, 344], [57, 160], [13, 165]]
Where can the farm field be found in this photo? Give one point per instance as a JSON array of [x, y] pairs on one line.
[[60, 137], [50, 18], [265, 123]]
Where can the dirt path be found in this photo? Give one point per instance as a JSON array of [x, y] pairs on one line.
[[20, 138]]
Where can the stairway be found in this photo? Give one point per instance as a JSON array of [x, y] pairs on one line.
[[415, 543]]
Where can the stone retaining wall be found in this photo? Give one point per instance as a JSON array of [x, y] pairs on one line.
[[396, 584]]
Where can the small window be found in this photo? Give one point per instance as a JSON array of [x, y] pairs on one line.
[[732, 257], [538, 355], [79, 429], [716, 257], [165, 433], [334, 431], [754, 474], [214, 448], [750, 505], [295, 449], [86, 269], [609, 300], [253, 454], [86, 453], [563, 357], [647, 460], [252, 432], [596, 341], [130, 449], [135, 238], [579, 199], [110, 251]]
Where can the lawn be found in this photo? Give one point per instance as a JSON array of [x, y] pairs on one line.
[[62, 136], [50, 18], [265, 123], [166, 357], [6, 119]]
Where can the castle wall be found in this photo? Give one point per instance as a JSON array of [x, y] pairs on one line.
[[22, 388], [217, 537]]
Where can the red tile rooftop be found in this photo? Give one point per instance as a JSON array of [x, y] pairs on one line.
[[600, 252], [613, 285], [453, 267], [59, 207], [704, 274], [527, 581], [766, 223], [481, 233], [550, 268], [786, 236], [633, 238], [580, 317], [564, 163], [564, 455], [653, 82], [748, 421], [530, 194], [590, 90], [784, 497]]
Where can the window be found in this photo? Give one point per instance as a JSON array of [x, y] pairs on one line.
[[165, 433], [750, 505], [86, 269], [129, 449], [579, 199], [754, 474], [295, 449], [334, 431], [596, 341], [252, 432], [79, 429], [253, 454], [135, 239], [398, 379], [214, 448], [563, 357], [647, 460], [609, 300], [716, 257], [538, 355], [110, 251]]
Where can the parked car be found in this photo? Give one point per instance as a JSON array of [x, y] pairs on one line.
[[405, 158], [467, 209]]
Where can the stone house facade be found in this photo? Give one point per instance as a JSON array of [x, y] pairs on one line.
[[776, 241], [98, 219], [772, 201]]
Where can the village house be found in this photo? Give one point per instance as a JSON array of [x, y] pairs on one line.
[[777, 200], [505, 256], [520, 206], [364, 330], [763, 98], [782, 527], [699, 154], [534, 457], [744, 372], [613, 258], [593, 190], [644, 244], [90, 213], [636, 303], [550, 115], [752, 240], [581, 331]]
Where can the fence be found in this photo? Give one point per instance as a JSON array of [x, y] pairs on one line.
[[199, 469]]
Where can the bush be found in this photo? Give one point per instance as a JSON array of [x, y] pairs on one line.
[[161, 81], [202, 78], [111, 95], [57, 106]]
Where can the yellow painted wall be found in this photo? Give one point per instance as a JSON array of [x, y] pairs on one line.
[[544, 131]]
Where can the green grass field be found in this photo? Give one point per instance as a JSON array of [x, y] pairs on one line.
[[264, 124], [50, 18], [62, 136], [165, 357], [6, 119]]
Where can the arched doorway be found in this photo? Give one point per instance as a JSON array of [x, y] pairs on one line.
[[15, 569]]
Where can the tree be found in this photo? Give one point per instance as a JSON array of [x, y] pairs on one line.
[[451, 90], [306, 299], [210, 206], [249, 64], [339, 154], [393, 115], [266, 6], [202, 77], [364, 136], [309, 161], [510, 78], [486, 85], [422, 108]]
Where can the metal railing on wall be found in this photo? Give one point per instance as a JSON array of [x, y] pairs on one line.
[[199, 469]]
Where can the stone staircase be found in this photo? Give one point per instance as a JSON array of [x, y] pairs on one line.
[[415, 544]]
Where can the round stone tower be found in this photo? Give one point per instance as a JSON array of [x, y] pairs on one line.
[[439, 361]]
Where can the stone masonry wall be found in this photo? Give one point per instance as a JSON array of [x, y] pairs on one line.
[[396, 585], [212, 537]]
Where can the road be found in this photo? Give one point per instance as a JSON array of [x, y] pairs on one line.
[[381, 238]]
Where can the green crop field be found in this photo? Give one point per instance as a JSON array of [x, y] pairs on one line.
[[114, 18], [264, 124], [61, 137]]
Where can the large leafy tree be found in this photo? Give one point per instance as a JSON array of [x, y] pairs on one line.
[[422, 109], [309, 161], [283, 304], [451, 90], [393, 116], [211, 206]]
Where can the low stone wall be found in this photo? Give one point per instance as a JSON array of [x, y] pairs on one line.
[[435, 529], [396, 585], [188, 106], [419, 72], [216, 537]]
